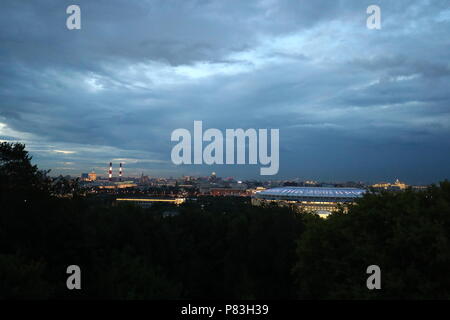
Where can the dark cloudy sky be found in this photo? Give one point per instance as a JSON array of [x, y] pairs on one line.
[[350, 103]]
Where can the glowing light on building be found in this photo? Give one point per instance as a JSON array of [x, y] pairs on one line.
[[320, 200]]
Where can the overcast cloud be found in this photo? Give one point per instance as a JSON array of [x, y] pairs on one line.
[[350, 103]]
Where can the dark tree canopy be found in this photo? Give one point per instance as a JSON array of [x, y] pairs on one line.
[[406, 233], [18, 177], [216, 247]]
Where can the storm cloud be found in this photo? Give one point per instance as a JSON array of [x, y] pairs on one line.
[[351, 103]]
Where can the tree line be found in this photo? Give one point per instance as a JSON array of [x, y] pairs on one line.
[[216, 248]]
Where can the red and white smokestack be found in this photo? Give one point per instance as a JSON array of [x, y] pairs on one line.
[[110, 171], [120, 172]]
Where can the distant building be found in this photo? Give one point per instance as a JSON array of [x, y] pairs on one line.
[[397, 186], [256, 190], [119, 185], [213, 177], [144, 179], [322, 201], [92, 176], [239, 185], [147, 202], [84, 177], [229, 192], [310, 183]]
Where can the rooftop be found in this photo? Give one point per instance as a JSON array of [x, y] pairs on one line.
[[314, 192]]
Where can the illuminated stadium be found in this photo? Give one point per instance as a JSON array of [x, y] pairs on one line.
[[322, 201]]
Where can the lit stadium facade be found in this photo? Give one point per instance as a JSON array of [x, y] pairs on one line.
[[322, 201]]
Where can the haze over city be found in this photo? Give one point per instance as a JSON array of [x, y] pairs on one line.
[[350, 103]]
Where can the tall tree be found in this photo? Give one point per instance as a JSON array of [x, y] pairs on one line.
[[18, 177]]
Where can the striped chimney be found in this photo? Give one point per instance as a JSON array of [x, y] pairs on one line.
[[110, 171]]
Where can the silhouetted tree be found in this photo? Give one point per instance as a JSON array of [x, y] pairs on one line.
[[20, 179], [407, 234]]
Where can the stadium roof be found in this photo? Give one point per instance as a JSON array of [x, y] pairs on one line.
[[314, 192]]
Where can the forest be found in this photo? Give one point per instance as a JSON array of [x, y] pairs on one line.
[[216, 247]]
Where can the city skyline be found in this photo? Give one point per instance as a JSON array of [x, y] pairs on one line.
[[350, 103], [116, 177]]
